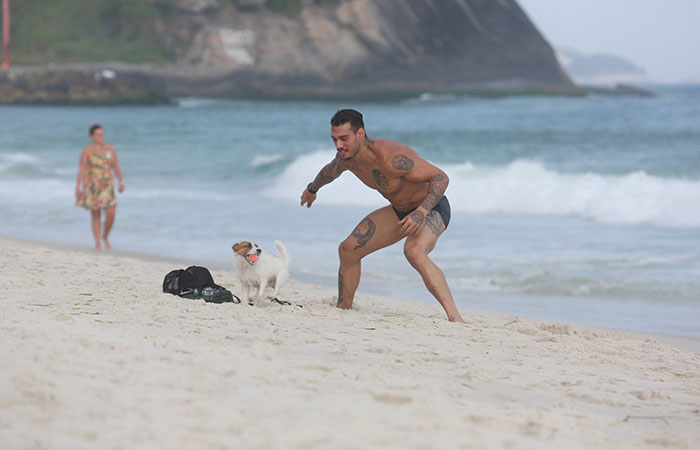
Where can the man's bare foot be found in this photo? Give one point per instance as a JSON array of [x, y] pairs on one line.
[[344, 306], [107, 246], [97, 248], [457, 319]]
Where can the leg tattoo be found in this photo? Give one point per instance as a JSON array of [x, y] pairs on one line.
[[434, 222], [341, 286], [363, 238]]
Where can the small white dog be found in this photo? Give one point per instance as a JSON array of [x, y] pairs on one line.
[[258, 269]]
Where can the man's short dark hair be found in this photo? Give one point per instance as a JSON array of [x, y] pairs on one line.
[[95, 128], [348, 116]]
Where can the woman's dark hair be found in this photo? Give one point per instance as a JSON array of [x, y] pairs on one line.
[[348, 115], [95, 128]]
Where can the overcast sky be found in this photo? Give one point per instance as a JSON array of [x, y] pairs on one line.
[[660, 36]]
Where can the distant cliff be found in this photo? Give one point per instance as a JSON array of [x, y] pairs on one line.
[[600, 69], [284, 48]]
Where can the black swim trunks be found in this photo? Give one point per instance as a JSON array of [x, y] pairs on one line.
[[442, 208]]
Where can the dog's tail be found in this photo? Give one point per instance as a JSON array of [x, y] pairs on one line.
[[283, 252]]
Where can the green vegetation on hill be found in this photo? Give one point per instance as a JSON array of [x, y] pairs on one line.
[[61, 31], [85, 30]]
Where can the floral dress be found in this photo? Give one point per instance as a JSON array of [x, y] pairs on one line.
[[98, 184]]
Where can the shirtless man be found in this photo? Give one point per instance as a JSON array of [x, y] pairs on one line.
[[418, 210]]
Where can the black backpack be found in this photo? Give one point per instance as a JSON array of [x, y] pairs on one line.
[[196, 282]]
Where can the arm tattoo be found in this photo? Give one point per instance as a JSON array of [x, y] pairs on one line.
[[381, 179], [434, 222], [334, 168], [436, 189], [418, 217], [401, 162], [341, 286], [330, 172], [363, 238]]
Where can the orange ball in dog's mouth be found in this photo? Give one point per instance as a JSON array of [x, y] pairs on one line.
[[252, 259]]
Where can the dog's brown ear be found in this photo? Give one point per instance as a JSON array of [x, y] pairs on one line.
[[235, 247]]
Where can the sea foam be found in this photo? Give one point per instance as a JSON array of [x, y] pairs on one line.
[[525, 187]]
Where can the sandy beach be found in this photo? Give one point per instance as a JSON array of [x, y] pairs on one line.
[[94, 355]]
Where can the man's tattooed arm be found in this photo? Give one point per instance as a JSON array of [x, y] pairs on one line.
[[436, 189], [402, 162], [330, 172]]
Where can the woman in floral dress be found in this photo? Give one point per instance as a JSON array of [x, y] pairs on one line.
[[95, 185]]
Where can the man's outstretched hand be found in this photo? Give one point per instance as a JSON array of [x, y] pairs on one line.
[[308, 198]]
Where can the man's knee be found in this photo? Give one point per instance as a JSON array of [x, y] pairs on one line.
[[346, 250], [415, 254]]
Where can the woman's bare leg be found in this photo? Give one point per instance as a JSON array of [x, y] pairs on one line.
[[109, 221], [95, 216]]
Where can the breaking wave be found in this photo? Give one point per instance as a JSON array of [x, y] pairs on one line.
[[526, 187]]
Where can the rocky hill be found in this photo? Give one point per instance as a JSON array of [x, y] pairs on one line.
[[600, 69], [318, 48]]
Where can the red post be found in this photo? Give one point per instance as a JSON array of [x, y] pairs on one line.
[[5, 34]]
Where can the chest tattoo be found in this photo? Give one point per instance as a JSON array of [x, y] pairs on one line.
[[381, 179]]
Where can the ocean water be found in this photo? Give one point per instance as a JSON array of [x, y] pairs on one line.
[[574, 209]]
